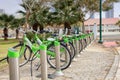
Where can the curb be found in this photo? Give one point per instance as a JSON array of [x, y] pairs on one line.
[[114, 68], [117, 75]]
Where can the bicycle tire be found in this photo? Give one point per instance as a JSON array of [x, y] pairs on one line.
[[36, 61], [67, 54], [72, 50], [80, 46], [23, 59], [89, 40], [85, 42]]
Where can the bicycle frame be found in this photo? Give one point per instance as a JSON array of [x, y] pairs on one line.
[[34, 48], [47, 43]]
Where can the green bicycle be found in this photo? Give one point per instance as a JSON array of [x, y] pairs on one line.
[[26, 48]]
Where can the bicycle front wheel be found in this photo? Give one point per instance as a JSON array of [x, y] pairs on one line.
[[80, 46], [65, 57], [72, 50], [24, 53]]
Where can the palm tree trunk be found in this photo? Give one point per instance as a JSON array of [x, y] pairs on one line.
[[5, 32], [5, 36], [83, 27], [17, 36], [27, 18], [17, 33], [67, 26]]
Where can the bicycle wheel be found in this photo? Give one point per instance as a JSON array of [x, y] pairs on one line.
[[65, 57], [24, 52], [72, 50], [89, 39], [84, 43], [80, 46], [36, 60]]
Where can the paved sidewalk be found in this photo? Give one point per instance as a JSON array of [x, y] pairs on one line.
[[117, 76], [110, 33], [93, 64]]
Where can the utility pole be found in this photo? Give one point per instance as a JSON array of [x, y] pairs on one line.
[[100, 30]]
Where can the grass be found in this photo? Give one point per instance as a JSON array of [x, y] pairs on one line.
[[4, 45]]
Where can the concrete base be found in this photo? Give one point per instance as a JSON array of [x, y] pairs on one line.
[[55, 74], [78, 55], [74, 60]]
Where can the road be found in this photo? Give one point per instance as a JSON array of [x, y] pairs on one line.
[[111, 36]]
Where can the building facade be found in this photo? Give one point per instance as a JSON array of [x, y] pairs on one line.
[[110, 13], [108, 24], [2, 11]]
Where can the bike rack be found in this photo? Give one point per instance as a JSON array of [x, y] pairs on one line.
[[13, 56], [3, 59], [77, 47], [43, 59], [58, 71]]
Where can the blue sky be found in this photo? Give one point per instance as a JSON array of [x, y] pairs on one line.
[[12, 6], [117, 9]]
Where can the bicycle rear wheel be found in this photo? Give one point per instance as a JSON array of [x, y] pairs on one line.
[[65, 57], [36, 60]]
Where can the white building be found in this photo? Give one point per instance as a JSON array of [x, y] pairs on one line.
[[108, 24], [113, 13]]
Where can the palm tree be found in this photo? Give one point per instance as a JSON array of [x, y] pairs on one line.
[[28, 6], [34, 12], [5, 21], [25, 13], [66, 13], [16, 23]]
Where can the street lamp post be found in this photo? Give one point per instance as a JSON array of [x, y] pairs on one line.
[[100, 37]]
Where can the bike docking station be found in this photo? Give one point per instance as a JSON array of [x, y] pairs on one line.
[[66, 40], [76, 41], [77, 47], [58, 71], [87, 39], [82, 39], [13, 56], [43, 60], [14, 73]]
